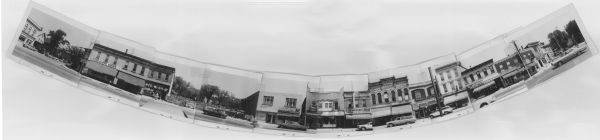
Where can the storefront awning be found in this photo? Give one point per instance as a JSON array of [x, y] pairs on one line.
[[455, 97], [358, 116], [288, 114], [333, 113], [484, 86], [380, 112], [131, 79], [402, 109]]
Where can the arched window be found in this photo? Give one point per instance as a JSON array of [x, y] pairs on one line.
[[400, 95], [373, 99], [393, 96], [386, 96], [406, 94], [379, 97]]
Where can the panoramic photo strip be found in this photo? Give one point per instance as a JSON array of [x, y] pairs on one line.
[[277, 103]]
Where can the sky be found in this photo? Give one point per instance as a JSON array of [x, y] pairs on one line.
[[332, 83], [238, 83], [81, 36], [538, 31], [288, 83]]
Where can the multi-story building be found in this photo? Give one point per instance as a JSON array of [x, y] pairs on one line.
[[542, 53], [390, 98], [513, 70], [481, 80], [277, 107], [451, 85], [29, 33], [424, 96], [358, 108], [128, 72], [325, 109]]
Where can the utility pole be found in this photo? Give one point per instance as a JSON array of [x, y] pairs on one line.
[[520, 58], [437, 90]]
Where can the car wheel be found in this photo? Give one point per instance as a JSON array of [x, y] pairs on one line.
[[390, 125], [363, 129], [483, 105]]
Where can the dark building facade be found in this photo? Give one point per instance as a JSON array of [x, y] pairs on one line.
[[482, 79], [128, 72]]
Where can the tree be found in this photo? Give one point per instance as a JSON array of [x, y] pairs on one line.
[[573, 30], [208, 91], [56, 38], [558, 41]]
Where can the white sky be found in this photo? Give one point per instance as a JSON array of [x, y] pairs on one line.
[[81, 36], [238, 83], [538, 31]]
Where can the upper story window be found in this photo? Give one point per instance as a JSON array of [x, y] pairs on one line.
[[142, 71], [268, 100], [290, 102], [134, 67], [126, 65]]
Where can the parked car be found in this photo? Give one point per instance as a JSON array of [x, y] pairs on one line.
[[570, 54], [365, 127], [215, 112], [445, 110], [292, 125], [401, 121]]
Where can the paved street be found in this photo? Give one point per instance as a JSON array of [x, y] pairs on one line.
[[198, 115], [46, 63], [110, 91], [549, 73]]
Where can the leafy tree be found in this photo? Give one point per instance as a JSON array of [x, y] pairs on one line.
[[558, 41], [573, 30], [57, 37], [208, 91]]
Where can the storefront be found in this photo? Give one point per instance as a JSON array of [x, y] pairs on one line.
[[457, 100], [381, 115], [334, 119], [424, 108], [353, 120], [485, 89]]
